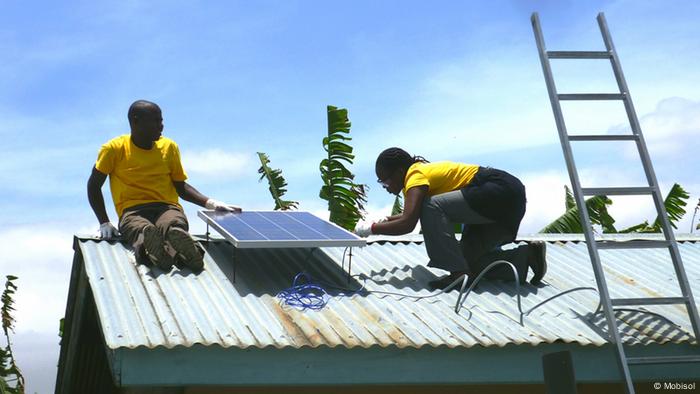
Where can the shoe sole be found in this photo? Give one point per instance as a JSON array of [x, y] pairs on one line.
[[539, 266], [185, 247], [154, 246]]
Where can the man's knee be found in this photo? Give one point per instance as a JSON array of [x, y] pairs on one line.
[[173, 217], [131, 224]]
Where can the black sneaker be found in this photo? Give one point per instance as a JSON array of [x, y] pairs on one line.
[[537, 261], [154, 246], [185, 249]]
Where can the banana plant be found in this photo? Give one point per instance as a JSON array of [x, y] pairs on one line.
[[11, 379], [674, 202], [397, 209], [276, 183], [345, 198], [570, 222]]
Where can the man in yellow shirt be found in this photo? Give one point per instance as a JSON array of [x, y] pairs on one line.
[[145, 178], [489, 202]]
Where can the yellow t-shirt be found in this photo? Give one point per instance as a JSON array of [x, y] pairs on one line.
[[440, 177], [139, 176]]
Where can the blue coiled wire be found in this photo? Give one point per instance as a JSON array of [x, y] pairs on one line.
[[306, 293]]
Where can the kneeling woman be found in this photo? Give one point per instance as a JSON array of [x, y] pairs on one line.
[[489, 202]]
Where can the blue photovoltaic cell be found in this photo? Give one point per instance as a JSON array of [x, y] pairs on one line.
[[323, 227], [278, 226], [232, 223]]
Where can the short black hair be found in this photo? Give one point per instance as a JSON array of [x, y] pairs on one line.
[[396, 158], [141, 107]]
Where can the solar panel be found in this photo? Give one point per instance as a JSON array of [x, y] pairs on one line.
[[278, 229]]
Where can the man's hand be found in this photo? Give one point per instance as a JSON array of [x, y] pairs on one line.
[[221, 206], [363, 229], [108, 231]]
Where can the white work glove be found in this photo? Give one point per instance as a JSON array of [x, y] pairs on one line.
[[221, 206], [108, 231], [363, 228]]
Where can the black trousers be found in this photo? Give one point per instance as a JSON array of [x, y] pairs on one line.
[[491, 208]]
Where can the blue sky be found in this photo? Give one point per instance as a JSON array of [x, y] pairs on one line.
[[447, 80]]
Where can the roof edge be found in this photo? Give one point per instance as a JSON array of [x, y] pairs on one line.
[[418, 238]]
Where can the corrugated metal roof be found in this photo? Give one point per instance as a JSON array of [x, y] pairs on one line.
[[140, 306]]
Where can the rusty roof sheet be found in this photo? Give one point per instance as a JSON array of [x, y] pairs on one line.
[[140, 306]]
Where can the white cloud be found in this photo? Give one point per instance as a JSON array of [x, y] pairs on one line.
[[215, 163], [41, 257], [545, 199], [37, 354], [668, 129], [469, 106]]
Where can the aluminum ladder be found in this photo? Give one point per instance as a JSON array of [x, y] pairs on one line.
[[579, 192]]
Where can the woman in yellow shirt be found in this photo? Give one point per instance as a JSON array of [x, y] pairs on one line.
[[489, 202]]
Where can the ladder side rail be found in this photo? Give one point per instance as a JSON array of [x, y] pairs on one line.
[[651, 178], [636, 128], [634, 121], [613, 332]]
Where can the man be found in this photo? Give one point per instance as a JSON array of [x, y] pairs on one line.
[[145, 178]]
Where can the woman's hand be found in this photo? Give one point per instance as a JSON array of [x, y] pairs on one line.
[[406, 222]]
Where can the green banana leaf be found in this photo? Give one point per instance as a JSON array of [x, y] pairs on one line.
[[277, 184], [674, 202], [570, 221], [345, 198], [569, 198], [11, 379], [397, 209]]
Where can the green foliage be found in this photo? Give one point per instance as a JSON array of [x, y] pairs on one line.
[[674, 203], [397, 209], [570, 221], [637, 228], [276, 183], [11, 379], [569, 201], [345, 198], [7, 304]]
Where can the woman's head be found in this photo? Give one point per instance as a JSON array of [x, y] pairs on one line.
[[391, 167]]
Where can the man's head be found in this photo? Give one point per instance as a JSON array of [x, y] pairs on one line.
[[146, 121]]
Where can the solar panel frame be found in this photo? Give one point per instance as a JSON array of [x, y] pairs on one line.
[[353, 240]]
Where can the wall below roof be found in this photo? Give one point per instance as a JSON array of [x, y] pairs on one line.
[[512, 364], [584, 388]]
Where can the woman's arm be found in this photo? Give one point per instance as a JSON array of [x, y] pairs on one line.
[[406, 222]]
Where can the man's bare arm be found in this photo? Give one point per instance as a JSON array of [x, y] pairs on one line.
[[95, 197], [188, 193]]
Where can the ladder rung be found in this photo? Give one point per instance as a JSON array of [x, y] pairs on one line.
[[618, 191], [578, 54], [608, 137], [591, 96], [648, 301], [663, 360], [632, 244]]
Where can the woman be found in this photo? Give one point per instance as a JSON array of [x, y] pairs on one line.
[[489, 202]]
